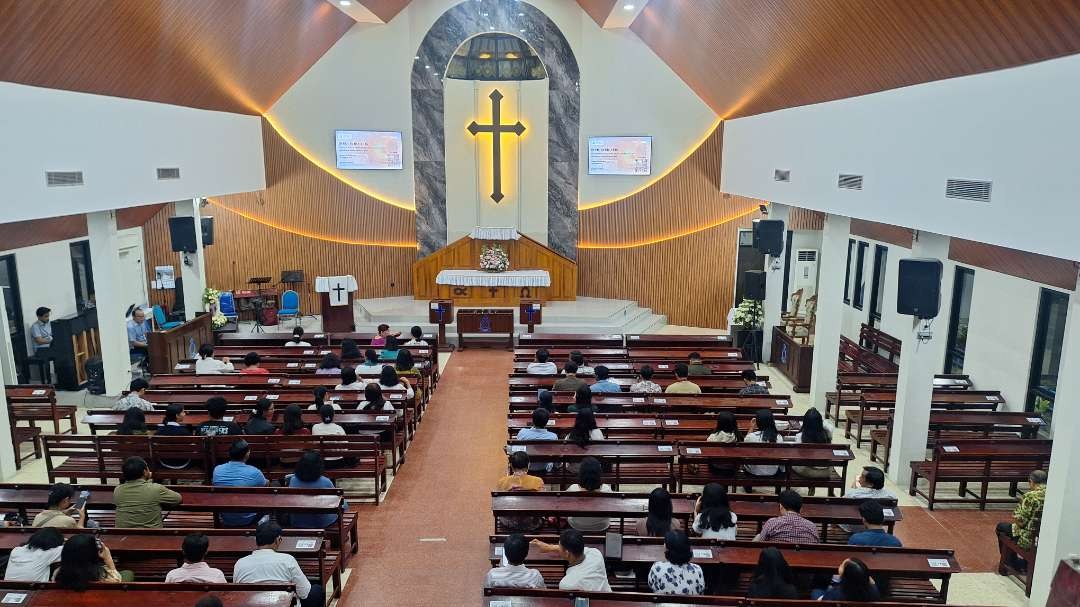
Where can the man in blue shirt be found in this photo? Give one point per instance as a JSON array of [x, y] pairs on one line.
[[138, 345], [873, 516], [238, 473], [538, 431], [603, 382]]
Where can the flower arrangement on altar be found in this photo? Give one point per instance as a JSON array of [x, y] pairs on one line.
[[493, 258], [210, 299]]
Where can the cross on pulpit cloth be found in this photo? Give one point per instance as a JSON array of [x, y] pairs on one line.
[[497, 129]]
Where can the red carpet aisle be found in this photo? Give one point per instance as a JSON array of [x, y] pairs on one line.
[[442, 492]]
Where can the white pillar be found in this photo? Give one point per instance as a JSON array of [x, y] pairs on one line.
[[830, 307], [112, 326], [775, 270], [919, 363], [194, 275], [1060, 535], [7, 376]]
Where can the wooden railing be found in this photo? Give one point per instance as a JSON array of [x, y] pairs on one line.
[[179, 343]]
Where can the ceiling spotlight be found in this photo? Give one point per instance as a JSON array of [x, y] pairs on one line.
[[427, 67], [416, 58], [483, 14], [345, 3], [628, 7], [522, 30], [521, 14], [491, 27]]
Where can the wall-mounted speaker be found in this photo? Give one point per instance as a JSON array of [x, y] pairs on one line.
[[769, 236], [919, 287], [754, 285], [207, 231], [182, 234]]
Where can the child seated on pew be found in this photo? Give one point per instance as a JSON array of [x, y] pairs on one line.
[[206, 364], [194, 569], [251, 365], [417, 337], [297, 339], [511, 572], [134, 398]]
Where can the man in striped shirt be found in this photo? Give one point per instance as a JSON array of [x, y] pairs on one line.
[[789, 526], [511, 573]]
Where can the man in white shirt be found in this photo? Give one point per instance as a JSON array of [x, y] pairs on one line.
[[512, 573], [266, 565], [542, 366], [585, 566]]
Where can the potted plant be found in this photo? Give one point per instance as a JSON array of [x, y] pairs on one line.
[[747, 326]]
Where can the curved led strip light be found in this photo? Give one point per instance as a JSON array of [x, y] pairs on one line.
[[333, 171], [621, 197], [316, 236], [643, 243]]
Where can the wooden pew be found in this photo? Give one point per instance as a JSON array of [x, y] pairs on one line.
[[630, 461], [850, 385], [168, 347], [670, 426], [982, 462], [677, 342], [520, 597], [711, 355], [531, 383], [694, 458], [316, 339], [880, 343], [733, 368], [570, 340], [140, 594], [961, 425], [752, 510], [626, 402], [138, 549], [33, 403], [100, 457], [559, 356], [875, 407], [909, 569], [199, 500]]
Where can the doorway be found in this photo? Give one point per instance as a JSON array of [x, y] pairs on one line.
[[9, 283]]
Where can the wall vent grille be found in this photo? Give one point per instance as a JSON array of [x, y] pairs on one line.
[[849, 182], [59, 179], [782, 175], [168, 173], [966, 189], [807, 255]]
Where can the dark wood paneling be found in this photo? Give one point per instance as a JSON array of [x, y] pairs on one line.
[[805, 219], [305, 220], [385, 9], [1052, 271], [882, 231], [229, 55], [746, 57], [18, 234], [133, 217], [597, 9]]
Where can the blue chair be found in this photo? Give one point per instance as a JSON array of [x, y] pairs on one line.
[[227, 306], [290, 305], [159, 319]]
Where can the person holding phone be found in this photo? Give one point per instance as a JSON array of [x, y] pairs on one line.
[[60, 510], [84, 560]]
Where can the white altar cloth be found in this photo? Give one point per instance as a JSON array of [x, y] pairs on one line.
[[337, 286], [479, 233], [479, 278]]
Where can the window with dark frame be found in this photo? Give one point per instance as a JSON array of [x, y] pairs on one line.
[[82, 274], [860, 258], [959, 318], [877, 283], [847, 272], [1046, 354]]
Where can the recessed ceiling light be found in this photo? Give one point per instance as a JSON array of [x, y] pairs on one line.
[[521, 14], [417, 58], [522, 30], [628, 7], [483, 14], [491, 27], [345, 3], [427, 67]]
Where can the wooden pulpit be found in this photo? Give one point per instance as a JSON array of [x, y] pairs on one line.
[[530, 313], [336, 303]]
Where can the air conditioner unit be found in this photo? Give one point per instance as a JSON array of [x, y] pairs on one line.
[[804, 275]]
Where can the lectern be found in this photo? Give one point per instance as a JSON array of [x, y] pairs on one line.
[[336, 299], [441, 312], [530, 313]]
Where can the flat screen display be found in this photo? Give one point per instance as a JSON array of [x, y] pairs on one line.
[[620, 155], [368, 150]]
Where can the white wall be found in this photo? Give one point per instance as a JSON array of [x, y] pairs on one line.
[[363, 83], [118, 144], [45, 277], [891, 322], [1015, 127]]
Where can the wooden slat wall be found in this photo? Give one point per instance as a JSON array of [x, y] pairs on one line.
[[1052, 271], [805, 219], [884, 232], [690, 278], [385, 9], [228, 55], [305, 220], [597, 9], [747, 57]]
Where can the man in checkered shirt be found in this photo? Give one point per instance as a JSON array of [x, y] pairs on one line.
[[789, 526]]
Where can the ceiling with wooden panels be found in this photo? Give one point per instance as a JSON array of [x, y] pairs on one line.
[[746, 57], [597, 9], [228, 55], [385, 9]]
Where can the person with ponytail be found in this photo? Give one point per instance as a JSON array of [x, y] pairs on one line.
[[319, 395], [328, 427], [853, 583], [763, 430]]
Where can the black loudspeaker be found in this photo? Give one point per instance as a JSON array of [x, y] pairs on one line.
[[919, 289], [754, 285], [182, 233], [769, 236], [207, 231]]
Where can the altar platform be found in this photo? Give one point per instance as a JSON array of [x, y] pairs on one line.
[[584, 315]]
